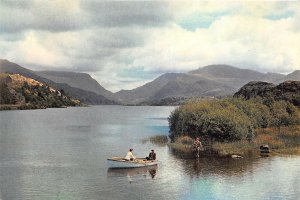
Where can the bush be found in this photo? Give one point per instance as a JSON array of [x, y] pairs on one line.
[[218, 120], [229, 119]]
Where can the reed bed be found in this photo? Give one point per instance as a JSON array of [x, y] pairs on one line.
[[157, 139], [283, 140]]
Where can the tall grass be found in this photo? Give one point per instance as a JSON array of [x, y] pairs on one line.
[[160, 140], [182, 144], [283, 140]]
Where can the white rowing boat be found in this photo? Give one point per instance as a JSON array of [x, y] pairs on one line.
[[119, 162]]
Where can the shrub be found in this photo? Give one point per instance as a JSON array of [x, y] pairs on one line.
[[230, 119], [218, 120]]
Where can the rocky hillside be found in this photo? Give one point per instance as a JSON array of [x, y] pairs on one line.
[[17, 91], [288, 90], [84, 96]]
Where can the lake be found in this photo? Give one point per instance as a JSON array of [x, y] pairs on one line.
[[61, 154]]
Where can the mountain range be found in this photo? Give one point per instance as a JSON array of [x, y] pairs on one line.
[[208, 81]]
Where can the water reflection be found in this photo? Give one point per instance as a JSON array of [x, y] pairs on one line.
[[208, 165], [131, 173]]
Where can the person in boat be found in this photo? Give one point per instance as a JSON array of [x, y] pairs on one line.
[[129, 155], [152, 155]]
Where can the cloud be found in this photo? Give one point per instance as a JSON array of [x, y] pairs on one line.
[[54, 16], [112, 14], [69, 15], [126, 44]]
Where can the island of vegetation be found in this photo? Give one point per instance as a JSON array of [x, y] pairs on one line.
[[259, 114], [20, 92]]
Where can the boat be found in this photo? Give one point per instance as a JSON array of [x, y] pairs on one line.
[[120, 162], [137, 171]]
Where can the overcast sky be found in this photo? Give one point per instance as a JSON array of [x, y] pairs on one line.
[[126, 44]]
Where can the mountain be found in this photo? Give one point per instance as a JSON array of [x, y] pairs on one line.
[[77, 80], [272, 77], [234, 77], [12, 68], [226, 72], [209, 81], [288, 91], [173, 85], [294, 76], [84, 96], [20, 92]]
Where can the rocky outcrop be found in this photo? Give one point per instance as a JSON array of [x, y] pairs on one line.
[[288, 90], [19, 92]]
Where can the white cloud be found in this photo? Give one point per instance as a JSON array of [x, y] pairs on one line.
[[121, 48]]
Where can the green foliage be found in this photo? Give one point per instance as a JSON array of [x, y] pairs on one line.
[[229, 119], [284, 114], [6, 97], [40, 96]]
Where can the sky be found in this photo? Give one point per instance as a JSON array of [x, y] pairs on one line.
[[126, 44]]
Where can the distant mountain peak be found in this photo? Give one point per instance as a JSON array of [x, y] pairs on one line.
[[222, 66], [212, 67]]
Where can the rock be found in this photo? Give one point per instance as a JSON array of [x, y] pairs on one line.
[[264, 148], [236, 156], [288, 91]]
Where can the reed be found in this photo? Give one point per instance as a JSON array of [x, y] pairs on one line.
[[283, 140], [157, 139], [182, 144]]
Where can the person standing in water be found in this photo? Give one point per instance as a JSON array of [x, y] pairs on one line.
[[197, 146]]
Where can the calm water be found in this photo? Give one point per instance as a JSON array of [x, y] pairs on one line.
[[61, 154]]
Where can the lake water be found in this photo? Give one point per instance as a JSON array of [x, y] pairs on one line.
[[61, 154]]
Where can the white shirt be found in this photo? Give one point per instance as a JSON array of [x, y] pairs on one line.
[[129, 155]]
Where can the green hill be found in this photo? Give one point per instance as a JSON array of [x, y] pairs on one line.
[[20, 92]]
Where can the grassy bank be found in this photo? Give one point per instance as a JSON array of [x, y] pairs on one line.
[[283, 140]]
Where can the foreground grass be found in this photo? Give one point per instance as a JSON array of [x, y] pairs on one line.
[[182, 144], [283, 140]]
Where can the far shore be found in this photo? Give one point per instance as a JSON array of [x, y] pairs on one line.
[[10, 106], [7, 107]]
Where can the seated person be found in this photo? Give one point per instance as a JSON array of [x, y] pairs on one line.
[[152, 155], [129, 155]]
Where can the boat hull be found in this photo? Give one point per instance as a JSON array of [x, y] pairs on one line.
[[121, 163]]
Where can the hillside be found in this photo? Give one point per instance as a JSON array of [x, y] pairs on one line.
[[234, 77], [84, 96], [173, 85], [20, 92], [292, 76], [288, 91], [77, 80]]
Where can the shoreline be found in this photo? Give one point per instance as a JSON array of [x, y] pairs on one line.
[[8, 107]]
